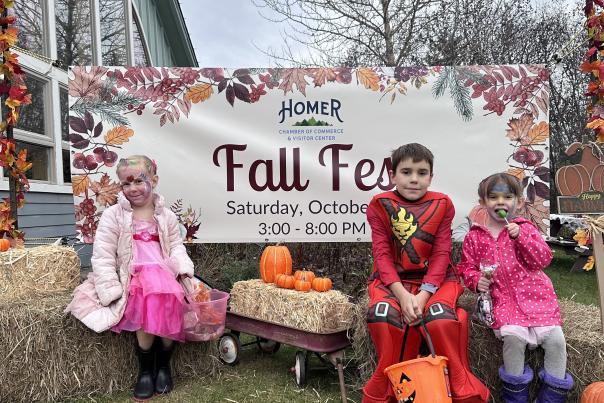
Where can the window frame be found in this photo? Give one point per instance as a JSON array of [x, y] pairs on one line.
[[55, 78]]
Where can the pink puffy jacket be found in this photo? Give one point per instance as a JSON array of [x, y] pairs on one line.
[[522, 293], [99, 302]]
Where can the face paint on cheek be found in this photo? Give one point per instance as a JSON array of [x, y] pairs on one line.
[[147, 182]]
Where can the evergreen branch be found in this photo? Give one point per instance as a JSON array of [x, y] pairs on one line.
[[439, 87], [461, 97], [466, 73], [107, 112]]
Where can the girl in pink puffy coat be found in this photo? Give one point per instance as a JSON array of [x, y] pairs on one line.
[[525, 308], [137, 256]]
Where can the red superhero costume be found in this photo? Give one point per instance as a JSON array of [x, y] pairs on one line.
[[412, 244]]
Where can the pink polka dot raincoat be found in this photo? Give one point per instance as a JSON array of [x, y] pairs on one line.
[[522, 293]]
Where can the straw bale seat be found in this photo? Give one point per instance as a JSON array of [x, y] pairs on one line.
[[582, 328], [50, 356]]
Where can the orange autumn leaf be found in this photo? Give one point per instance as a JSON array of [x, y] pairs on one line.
[[79, 183], [519, 127], [536, 212], [22, 164], [517, 172], [595, 124], [9, 35], [537, 134], [105, 190], [199, 93], [368, 78], [118, 135], [322, 75]]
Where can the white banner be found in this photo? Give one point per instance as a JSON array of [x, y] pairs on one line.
[[296, 154]]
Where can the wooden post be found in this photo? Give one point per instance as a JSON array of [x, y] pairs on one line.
[[598, 248]]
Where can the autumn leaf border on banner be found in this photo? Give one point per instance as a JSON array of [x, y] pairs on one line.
[[14, 163], [106, 97]]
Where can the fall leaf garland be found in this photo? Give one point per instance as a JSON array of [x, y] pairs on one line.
[[592, 64], [15, 92]]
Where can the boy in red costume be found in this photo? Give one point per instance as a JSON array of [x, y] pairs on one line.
[[413, 278]]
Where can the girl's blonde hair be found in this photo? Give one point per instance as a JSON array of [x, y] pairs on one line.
[[488, 183], [143, 160]]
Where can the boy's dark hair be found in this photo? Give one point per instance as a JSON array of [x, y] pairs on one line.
[[415, 151], [488, 183]]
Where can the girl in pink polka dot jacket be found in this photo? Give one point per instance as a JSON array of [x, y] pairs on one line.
[[525, 308]]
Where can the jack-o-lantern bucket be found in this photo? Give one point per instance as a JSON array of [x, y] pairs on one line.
[[424, 379]]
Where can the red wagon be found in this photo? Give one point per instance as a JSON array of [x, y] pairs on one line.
[[270, 336]]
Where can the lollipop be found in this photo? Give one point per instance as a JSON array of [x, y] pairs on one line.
[[503, 214]]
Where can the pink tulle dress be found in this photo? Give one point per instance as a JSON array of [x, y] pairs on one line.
[[155, 299]]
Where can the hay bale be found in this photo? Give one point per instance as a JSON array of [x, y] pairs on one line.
[[317, 312], [34, 272], [582, 328], [48, 355]]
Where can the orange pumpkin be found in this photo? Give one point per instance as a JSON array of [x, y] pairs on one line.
[[302, 285], [275, 260], [4, 244], [306, 275], [321, 284], [285, 281], [593, 393]]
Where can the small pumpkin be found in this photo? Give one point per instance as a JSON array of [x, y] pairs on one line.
[[285, 281], [302, 285], [275, 260], [304, 275], [322, 284], [593, 393], [4, 245]]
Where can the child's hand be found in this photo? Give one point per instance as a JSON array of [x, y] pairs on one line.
[[410, 310], [483, 284], [513, 230]]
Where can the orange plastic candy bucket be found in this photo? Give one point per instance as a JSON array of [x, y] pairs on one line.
[[423, 380]]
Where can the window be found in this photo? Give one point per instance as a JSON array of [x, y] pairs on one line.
[[140, 51], [31, 117], [40, 158], [64, 101], [113, 32], [74, 32], [31, 24], [66, 167]]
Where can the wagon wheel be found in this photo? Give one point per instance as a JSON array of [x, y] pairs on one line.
[[228, 349], [301, 368], [267, 346]]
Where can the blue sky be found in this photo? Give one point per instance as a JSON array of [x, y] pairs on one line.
[[226, 33]]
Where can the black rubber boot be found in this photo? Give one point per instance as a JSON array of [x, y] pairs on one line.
[[144, 388], [163, 381]]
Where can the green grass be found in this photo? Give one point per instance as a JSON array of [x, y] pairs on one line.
[[257, 378], [578, 286]]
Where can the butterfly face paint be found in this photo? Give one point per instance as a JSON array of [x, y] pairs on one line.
[[500, 197], [136, 185]]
